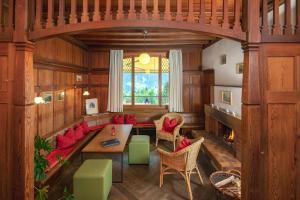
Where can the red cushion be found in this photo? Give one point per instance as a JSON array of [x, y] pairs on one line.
[[79, 133], [184, 143], [96, 127], [85, 127], [70, 133], [52, 156], [169, 125], [130, 119], [64, 142], [118, 119]]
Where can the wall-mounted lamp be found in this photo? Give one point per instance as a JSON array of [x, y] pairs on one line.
[[86, 92], [39, 100]]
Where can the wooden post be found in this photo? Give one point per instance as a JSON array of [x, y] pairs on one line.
[[96, 14], [50, 14], [61, 15], [167, 15], [276, 26], [213, 17], [144, 12], [202, 17], [179, 11], [73, 14], [155, 15], [265, 23], [120, 13], [131, 13], [225, 23], [84, 16], [288, 15], [237, 15], [108, 10], [38, 13], [191, 17]]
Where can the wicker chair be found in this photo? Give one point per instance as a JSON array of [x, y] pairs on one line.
[[184, 162], [167, 136]]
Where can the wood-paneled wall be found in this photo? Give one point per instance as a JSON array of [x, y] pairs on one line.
[[57, 63], [192, 77]]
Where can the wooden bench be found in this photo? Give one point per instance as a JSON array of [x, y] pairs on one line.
[[221, 158]]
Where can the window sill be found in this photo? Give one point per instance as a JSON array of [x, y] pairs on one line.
[[149, 108]]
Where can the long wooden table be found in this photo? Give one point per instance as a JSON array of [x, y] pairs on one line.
[[94, 148]]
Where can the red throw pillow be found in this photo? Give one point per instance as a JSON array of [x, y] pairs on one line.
[[85, 127], [118, 119], [64, 142], [183, 143], [70, 133], [79, 133], [130, 119], [169, 125]]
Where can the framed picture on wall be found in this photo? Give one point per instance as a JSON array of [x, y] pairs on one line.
[[47, 96], [239, 68], [60, 95], [91, 106], [78, 77], [226, 97]]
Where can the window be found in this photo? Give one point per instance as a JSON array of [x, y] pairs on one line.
[[146, 84]]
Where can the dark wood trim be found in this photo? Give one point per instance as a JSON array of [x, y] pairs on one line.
[[73, 40], [234, 86]]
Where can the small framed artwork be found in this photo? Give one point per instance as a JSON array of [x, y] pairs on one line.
[[47, 96], [78, 77], [226, 97], [223, 59], [239, 68], [91, 106], [60, 95]]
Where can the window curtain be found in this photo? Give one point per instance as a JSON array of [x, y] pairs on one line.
[[175, 101], [115, 90]]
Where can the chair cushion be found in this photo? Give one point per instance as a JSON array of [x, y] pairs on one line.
[[130, 119], [79, 133], [183, 144], [52, 157], [118, 119], [169, 125]]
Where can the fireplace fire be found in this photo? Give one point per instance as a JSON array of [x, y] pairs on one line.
[[229, 137]]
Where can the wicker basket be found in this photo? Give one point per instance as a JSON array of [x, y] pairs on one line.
[[222, 193]]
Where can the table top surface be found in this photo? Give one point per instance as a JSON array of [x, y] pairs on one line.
[[122, 133]]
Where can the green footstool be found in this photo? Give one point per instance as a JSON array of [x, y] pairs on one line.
[[93, 180], [139, 149]]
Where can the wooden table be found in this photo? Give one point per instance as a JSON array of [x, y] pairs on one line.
[[95, 147]]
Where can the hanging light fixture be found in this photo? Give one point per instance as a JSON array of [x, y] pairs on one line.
[[144, 57]]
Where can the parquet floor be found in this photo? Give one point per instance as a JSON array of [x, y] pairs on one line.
[[141, 182]]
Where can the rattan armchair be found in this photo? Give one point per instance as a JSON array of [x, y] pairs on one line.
[[160, 134], [183, 162]]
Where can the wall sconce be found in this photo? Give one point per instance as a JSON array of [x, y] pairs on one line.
[[39, 100], [86, 92]]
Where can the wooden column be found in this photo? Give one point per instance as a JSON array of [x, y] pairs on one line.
[[237, 15], [120, 12], [167, 15], [84, 16], [144, 12], [288, 21], [202, 19], [73, 14], [155, 14], [213, 17], [50, 14], [179, 11], [132, 13], [276, 26], [251, 108], [96, 14], [225, 23], [191, 17], [61, 15], [108, 10]]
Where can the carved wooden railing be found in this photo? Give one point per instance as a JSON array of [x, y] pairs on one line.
[[60, 16], [6, 19], [275, 30]]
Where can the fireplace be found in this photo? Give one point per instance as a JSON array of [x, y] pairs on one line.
[[227, 137]]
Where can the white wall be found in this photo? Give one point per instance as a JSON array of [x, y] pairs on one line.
[[236, 98], [224, 74]]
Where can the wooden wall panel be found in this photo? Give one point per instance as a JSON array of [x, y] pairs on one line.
[[78, 103], [69, 106], [59, 111], [3, 73], [45, 117], [99, 59]]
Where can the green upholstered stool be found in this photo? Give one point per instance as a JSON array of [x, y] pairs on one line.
[[93, 180], [139, 149]]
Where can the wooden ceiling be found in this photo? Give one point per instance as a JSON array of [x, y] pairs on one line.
[[135, 38]]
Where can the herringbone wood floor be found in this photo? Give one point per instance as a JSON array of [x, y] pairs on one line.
[[141, 182]]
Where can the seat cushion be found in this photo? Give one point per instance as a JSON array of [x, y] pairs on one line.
[[85, 127], [53, 157], [64, 142], [130, 119], [169, 124], [183, 143], [96, 127], [79, 133]]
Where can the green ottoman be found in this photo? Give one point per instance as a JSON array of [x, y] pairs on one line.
[[139, 149], [93, 180]]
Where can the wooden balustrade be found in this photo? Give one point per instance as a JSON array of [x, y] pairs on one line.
[[6, 19], [61, 14], [1, 24], [280, 30]]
